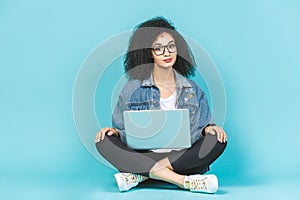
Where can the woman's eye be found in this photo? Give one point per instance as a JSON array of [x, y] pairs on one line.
[[171, 46], [158, 48]]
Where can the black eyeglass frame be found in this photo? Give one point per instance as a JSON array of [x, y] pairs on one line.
[[165, 47]]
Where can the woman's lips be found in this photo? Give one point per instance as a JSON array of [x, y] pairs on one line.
[[168, 60]]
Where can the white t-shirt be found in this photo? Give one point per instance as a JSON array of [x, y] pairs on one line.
[[168, 103]]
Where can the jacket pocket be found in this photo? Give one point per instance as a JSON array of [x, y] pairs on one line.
[[138, 106]]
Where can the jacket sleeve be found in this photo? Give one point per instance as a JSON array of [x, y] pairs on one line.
[[118, 119], [205, 114]]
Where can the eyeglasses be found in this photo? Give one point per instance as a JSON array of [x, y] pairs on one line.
[[160, 49]]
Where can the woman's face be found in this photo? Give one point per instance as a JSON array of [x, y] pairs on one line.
[[164, 50]]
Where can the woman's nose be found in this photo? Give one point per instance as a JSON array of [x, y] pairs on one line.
[[166, 53]]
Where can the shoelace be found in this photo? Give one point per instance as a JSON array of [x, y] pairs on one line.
[[131, 178], [198, 184]]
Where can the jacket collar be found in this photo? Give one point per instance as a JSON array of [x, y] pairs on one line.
[[181, 81]]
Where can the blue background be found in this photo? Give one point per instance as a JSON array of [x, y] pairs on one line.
[[255, 45]]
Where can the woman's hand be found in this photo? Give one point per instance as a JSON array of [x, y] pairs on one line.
[[221, 135], [106, 131]]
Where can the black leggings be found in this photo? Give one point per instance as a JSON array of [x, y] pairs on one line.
[[193, 160]]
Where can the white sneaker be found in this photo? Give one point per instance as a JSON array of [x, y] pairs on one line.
[[125, 181], [202, 183]]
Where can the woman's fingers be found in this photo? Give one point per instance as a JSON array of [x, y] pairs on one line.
[[225, 136], [97, 137], [102, 135], [105, 131], [210, 130], [221, 135]]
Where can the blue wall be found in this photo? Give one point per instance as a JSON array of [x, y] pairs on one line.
[[255, 45]]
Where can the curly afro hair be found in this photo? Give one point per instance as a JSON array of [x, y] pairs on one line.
[[138, 61]]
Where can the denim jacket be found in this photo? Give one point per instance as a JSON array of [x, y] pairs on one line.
[[144, 95]]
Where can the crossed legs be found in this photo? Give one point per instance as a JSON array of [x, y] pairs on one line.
[[162, 170], [172, 169]]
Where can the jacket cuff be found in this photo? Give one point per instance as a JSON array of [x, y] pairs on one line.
[[122, 135]]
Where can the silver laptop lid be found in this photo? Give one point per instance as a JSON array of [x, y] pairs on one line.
[[155, 129]]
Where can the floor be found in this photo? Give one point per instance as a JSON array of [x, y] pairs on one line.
[[90, 188]]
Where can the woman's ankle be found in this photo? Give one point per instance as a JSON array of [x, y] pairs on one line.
[[144, 178]]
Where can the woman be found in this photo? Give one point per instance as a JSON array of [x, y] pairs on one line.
[[158, 62]]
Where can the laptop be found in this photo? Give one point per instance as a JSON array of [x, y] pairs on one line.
[[157, 129]]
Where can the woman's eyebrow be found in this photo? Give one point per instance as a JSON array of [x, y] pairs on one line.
[[161, 44]]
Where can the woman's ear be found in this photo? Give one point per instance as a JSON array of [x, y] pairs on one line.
[[151, 54]]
